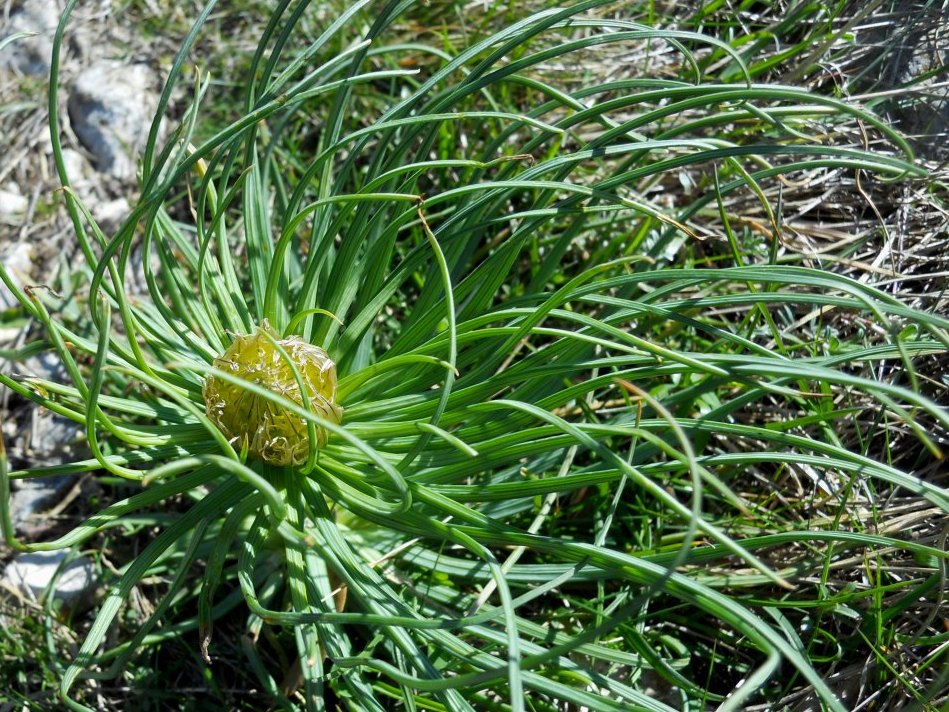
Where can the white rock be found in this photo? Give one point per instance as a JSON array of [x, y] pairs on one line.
[[111, 214], [46, 365], [13, 205], [77, 170], [111, 108], [31, 574], [31, 55], [18, 262]]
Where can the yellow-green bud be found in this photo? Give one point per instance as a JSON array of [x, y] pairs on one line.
[[271, 432]]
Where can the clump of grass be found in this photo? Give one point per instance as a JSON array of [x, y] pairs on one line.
[[591, 434]]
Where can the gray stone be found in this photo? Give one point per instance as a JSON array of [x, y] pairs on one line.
[[111, 108], [32, 496], [31, 55], [46, 365], [39, 439], [32, 574], [42, 439]]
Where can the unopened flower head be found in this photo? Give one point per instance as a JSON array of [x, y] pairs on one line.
[[271, 432]]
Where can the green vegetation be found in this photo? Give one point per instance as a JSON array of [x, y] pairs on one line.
[[618, 432]]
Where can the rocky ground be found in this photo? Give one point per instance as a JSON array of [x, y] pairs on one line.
[[108, 95]]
